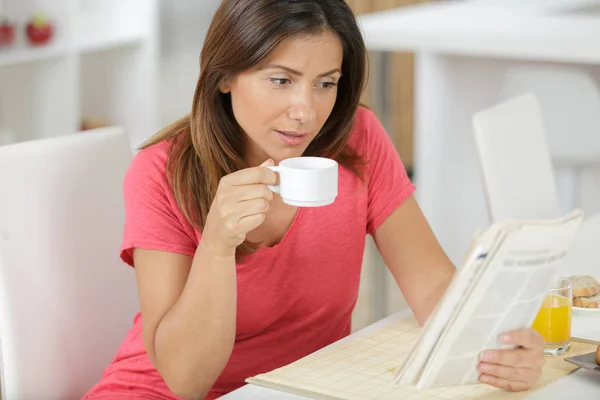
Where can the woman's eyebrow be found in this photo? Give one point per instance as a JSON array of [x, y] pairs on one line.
[[298, 73]]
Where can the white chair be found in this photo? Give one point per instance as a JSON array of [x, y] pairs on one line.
[[66, 299], [517, 169], [569, 100], [582, 258]]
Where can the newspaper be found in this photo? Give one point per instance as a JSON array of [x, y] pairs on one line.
[[500, 286]]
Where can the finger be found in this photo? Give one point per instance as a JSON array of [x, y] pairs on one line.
[[520, 358], [249, 176], [511, 386], [509, 373], [251, 207], [233, 202], [527, 338], [237, 221], [251, 222], [249, 192]]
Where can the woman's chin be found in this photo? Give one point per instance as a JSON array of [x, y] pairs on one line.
[[282, 154]]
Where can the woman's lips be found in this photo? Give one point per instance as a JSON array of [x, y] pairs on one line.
[[292, 138]]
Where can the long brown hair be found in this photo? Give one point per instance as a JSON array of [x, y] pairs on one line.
[[208, 143]]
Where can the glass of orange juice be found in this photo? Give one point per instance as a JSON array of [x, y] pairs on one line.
[[553, 320]]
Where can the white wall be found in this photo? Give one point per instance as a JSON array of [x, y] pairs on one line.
[[183, 27]]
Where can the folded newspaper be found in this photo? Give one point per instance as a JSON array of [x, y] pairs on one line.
[[500, 286]]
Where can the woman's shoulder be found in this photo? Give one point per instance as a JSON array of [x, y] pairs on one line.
[[149, 164], [365, 122], [364, 115]]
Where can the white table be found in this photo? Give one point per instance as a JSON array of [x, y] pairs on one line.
[[463, 51], [587, 384]]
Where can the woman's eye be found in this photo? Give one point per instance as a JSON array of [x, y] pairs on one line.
[[328, 85], [279, 81]]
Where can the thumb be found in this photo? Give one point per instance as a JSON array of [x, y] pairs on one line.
[[267, 163]]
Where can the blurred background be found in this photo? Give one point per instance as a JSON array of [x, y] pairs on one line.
[[74, 65]]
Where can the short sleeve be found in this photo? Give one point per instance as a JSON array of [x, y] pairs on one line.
[[152, 219], [388, 183]]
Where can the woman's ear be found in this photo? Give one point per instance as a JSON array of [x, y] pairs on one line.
[[224, 86]]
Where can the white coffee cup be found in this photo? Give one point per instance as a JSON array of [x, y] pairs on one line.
[[307, 181]]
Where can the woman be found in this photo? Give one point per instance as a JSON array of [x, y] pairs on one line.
[[232, 281]]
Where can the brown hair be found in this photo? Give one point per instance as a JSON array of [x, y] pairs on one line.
[[243, 33]]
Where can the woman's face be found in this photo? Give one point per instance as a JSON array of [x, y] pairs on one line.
[[283, 103]]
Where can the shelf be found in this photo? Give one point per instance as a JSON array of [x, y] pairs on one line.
[[108, 24], [101, 63], [101, 43], [37, 100], [114, 83], [18, 55], [539, 31]]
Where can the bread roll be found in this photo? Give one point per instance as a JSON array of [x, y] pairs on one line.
[[584, 286], [587, 302]]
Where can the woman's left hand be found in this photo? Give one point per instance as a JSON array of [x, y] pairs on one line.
[[516, 369]]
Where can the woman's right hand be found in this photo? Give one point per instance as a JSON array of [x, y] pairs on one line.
[[240, 205]]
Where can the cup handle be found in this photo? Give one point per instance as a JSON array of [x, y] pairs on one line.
[[274, 188]]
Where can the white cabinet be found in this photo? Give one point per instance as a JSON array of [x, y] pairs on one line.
[[101, 64]]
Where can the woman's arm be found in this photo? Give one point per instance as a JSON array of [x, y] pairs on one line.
[[189, 304], [188, 310], [423, 273], [415, 258]]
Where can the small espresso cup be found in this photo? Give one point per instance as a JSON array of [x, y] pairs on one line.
[[307, 181]]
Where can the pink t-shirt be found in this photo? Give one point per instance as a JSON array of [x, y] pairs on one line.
[[293, 298]]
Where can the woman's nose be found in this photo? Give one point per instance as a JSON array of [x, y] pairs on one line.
[[303, 108]]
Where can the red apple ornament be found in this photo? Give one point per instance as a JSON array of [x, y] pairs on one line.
[[39, 30], [7, 33]]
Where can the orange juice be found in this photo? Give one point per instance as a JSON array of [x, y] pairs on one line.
[[553, 321]]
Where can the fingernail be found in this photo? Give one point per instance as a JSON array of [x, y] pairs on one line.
[[487, 356], [506, 337], [484, 378], [266, 163], [483, 367]]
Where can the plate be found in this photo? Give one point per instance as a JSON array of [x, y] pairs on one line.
[[592, 312], [586, 361]]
